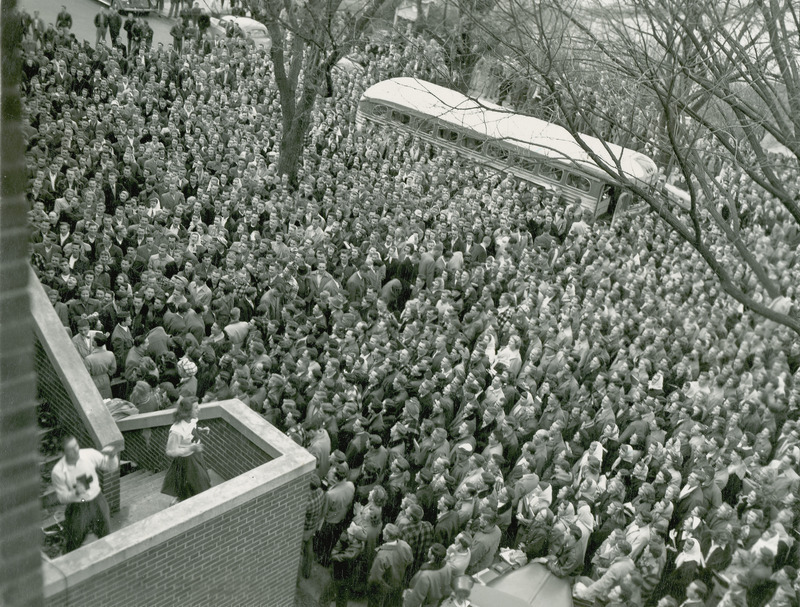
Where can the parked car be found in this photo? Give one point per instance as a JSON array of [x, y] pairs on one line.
[[138, 7], [249, 28], [531, 585]]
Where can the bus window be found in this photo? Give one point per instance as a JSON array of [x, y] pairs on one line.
[[528, 165], [425, 126], [497, 152], [578, 182], [401, 117], [447, 134], [379, 110], [472, 144], [551, 173]]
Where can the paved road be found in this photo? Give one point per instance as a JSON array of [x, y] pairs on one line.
[[83, 12]]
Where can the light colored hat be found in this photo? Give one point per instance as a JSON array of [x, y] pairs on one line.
[[187, 366]]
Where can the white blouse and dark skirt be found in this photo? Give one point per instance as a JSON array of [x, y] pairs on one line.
[[187, 474]]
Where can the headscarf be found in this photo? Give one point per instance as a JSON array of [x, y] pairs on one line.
[[691, 553]]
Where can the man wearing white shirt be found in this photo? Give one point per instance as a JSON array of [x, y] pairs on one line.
[[76, 482]]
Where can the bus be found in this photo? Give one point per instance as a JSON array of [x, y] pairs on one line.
[[529, 149]]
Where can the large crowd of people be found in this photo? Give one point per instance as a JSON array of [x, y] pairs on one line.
[[474, 364]]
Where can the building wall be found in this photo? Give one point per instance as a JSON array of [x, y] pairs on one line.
[[20, 533], [63, 382], [227, 451], [247, 556]]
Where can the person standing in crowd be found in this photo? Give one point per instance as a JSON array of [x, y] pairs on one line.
[[431, 584], [114, 23], [101, 364], [177, 31], [77, 484], [485, 543], [63, 21], [314, 514], [101, 25], [338, 500], [174, 9], [83, 340], [187, 474], [128, 26], [388, 571], [560, 370], [345, 558]]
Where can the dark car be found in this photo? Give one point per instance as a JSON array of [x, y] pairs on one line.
[[139, 7]]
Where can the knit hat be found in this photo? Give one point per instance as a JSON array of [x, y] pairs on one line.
[[187, 366]]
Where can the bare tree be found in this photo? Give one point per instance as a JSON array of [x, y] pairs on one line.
[[308, 38], [697, 85]]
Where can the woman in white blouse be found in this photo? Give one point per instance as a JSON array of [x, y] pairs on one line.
[[187, 474]]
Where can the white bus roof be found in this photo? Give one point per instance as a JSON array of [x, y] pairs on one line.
[[494, 122]]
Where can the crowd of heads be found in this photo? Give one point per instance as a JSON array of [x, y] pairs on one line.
[[466, 342]]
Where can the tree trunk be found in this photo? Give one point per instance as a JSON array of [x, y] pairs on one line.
[[291, 151]]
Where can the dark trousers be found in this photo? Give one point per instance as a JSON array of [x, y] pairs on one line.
[[307, 560], [378, 596], [325, 540], [82, 517]]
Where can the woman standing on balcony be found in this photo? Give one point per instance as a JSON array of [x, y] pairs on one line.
[[187, 474]]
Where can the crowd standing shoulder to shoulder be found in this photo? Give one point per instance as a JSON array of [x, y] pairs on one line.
[[402, 313]]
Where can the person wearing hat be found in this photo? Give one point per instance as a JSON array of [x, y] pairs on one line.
[[485, 543], [397, 485], [319, 445], [377, 456], [338, 501], [187, 370], [387, 574], [345, 558], [426, 496], [418, 533], [313, 521], [447, 523], [357, 447], [432, 583]]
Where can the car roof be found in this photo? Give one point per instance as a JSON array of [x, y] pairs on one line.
[[531, 585], [246, 23]]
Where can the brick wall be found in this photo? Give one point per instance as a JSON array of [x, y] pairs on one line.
[[51, 390], [227, 451], [20, 559], [148, 455], [246, 556], [63, 382]]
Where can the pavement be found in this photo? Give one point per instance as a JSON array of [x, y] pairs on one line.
[[83, 13], [315, 591]]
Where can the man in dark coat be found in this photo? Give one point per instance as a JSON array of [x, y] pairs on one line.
[[345, 557], [388, 570], [114, 24], [447, 523]]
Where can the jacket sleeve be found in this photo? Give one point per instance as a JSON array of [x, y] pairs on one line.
[[418, 593], [601, 587], [377, 574]]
